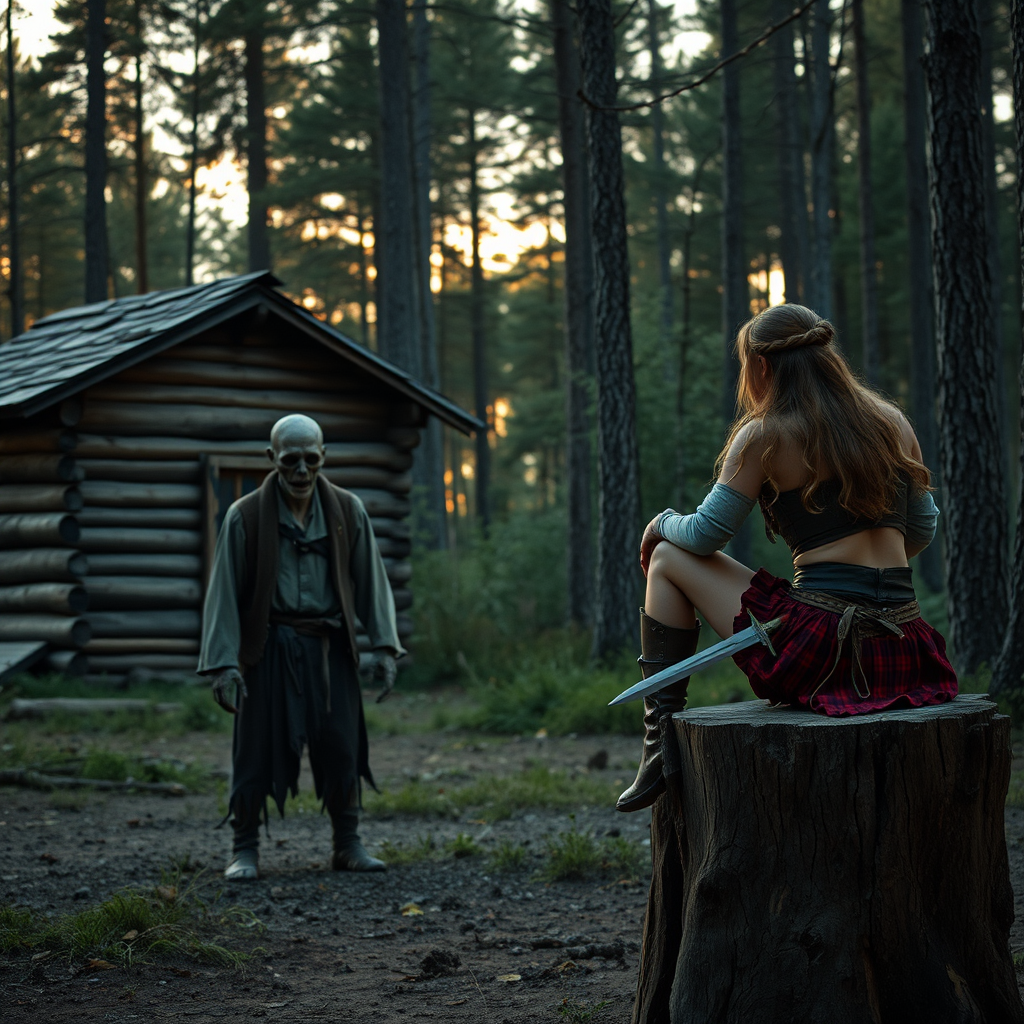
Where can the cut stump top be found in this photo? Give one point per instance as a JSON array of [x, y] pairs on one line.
[[759, 713]]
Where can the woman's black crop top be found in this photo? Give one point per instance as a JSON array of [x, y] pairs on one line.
[[804, 531]]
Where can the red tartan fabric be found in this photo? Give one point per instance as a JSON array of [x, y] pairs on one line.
[[912, 671]]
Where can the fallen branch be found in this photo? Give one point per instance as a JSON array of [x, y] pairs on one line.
[[37, 780], [37, 708]]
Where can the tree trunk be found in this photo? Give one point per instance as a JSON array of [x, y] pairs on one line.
[[822, 144], [919, 251], [868, 259], [141, 261], [618, 574], [579, 318], [970, 448], [96, 155], [482, 478], [429, 466], [735, 290], [16, 278], [397, 319], [193, 159], [794, 244], [256, 144], [774, 890], [664, 247], [1009, 670]]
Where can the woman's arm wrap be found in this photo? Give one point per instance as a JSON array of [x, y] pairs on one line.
[[712, 526], [922, 517]]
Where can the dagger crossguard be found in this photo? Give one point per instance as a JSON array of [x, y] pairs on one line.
[[762, 629]]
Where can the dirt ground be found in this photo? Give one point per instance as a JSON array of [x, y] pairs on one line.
[[338, 946]]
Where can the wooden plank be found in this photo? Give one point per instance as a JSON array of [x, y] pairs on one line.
[[17, 656], [170, 471], [383, 503], [129, 593], [391, 547], [179, 623], [43, 565], [40, 498], [175, 368], [147, 518], [58, 598], [120, 564], [137, 541], [60, 630], [141, 645], [122, 663], [398, 572], [399, 413], [37, 529], [19, 442], [68, 663], [304, 357], [399, 529], [24, 708], [139, 419], [118, 494], [339, 453], [382, 479], [38, 468]]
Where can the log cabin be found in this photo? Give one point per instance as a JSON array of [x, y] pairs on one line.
[[128, 427]]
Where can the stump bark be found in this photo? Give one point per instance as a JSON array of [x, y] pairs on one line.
[[844, 870]]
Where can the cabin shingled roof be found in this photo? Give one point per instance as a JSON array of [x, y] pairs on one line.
[[66, 352]]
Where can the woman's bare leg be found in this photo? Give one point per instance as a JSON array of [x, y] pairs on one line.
[[679, 584]]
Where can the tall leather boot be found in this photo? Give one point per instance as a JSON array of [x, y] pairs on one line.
[[661, 646], [349, 852], [245, 843]]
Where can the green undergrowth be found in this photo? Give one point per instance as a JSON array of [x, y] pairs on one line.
[[569, 856], [198, 712], [173, 920]]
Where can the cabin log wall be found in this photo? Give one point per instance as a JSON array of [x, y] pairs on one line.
[[106, 493]]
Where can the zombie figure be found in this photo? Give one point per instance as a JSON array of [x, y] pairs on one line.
[[295, 566]]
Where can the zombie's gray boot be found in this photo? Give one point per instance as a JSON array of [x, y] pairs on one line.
[[349, 852], [245, 844], [661, 646]]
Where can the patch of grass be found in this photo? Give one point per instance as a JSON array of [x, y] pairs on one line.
[[399, 854], [508, 857], [135, 925], [69, 799], [493, 797], [575, 855], [576, 1011], [463, 846]]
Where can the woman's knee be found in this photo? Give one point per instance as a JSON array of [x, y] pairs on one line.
[[668, 561]]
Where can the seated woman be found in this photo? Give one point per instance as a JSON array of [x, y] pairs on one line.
[[837, 470]]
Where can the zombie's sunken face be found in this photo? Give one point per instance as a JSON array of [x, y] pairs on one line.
[[297, 451]]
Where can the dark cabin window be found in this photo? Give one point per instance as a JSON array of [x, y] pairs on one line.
[[231, 485]]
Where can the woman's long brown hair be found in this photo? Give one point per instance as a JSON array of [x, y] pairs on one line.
[[812, 397]]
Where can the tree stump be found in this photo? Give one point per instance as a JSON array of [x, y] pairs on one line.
[[811, 869]]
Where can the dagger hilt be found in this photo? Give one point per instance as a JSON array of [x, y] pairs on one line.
[[762, 629]]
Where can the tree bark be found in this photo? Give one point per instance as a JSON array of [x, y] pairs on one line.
[[16, 290], [618, 574], [193, 148], [397, 319], [482, 477], [579, 318], [429, 466], [822, 144], [735, 289], [778, 849], [139, 147], [794, 244], [664, 248], [96, 155], [970, 448], [919, 251], [868, 260], [1008, 676], [256, 142]]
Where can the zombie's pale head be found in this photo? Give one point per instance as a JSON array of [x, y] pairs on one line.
[[297, 451]]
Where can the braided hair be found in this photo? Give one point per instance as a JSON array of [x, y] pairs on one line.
[[809, 395]]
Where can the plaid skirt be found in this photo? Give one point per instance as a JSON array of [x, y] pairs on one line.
[[911, 671]]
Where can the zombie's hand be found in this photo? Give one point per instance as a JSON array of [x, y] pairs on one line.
[[649, 542], [384, 670], [224, 683]]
